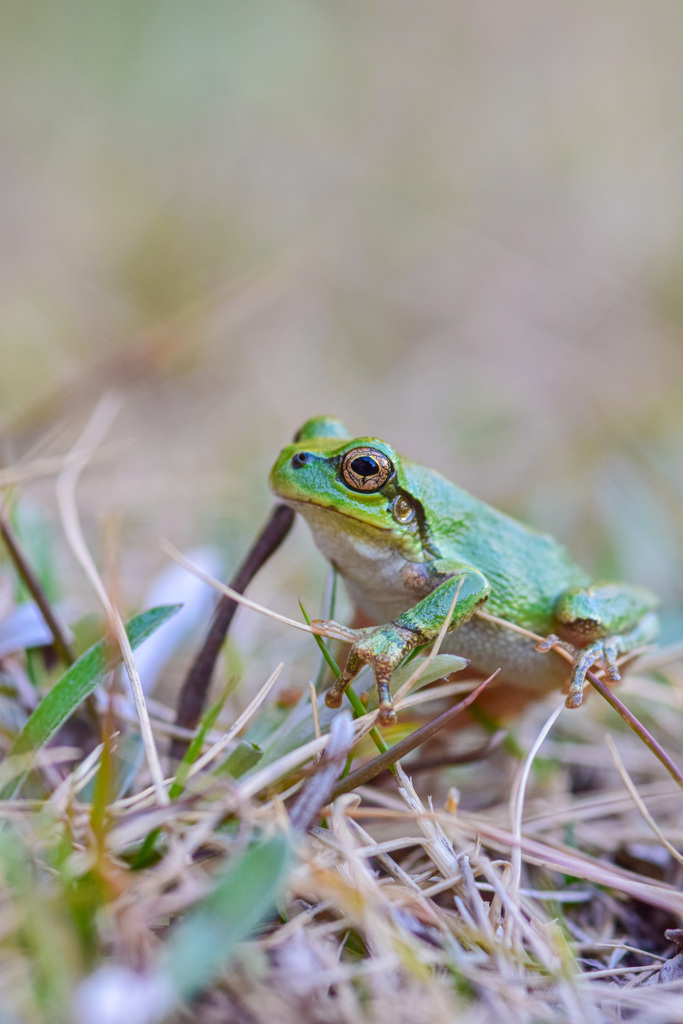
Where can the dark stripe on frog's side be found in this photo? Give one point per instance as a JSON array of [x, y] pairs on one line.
[[392, 491]]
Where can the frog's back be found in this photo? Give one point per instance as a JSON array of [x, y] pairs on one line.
[[526, 569]]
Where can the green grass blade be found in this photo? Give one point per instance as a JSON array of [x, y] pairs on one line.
[[41, 930], [322, 645], [195, 748], [243, 758], [81, 679], [357, 705], [203, 944]]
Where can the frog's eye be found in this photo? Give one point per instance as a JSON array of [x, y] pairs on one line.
[[366, 469]]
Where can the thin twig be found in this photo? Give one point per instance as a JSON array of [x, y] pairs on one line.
[[35, 588], [379, 764], [637, 726], [192, 696]]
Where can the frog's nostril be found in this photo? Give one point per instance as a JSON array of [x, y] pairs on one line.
[[300, 459]]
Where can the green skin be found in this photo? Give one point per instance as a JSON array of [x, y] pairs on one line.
[[406, 541]]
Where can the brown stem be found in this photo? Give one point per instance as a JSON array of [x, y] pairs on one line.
[[192, 697], [647, 737], [35, 588], [379, 764], [427, 764]]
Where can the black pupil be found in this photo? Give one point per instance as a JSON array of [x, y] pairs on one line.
[[365, 466]]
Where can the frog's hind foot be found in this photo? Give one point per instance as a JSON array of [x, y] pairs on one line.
[[603, 654]]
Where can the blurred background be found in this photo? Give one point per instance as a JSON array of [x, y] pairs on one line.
[[458, 226]]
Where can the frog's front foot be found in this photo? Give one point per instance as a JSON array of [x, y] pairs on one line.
[[387, 714], [603, 654], [381, 647]]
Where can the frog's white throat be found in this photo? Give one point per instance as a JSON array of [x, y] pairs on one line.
[[366, 557]]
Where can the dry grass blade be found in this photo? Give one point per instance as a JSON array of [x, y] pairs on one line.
[[318, 787], [517, 800], [574, 863], [640, 804], [239, 723], [314, 710], [14, 476], [229, 592], [92, 434]]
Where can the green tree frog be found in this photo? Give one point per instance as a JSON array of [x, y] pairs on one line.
[[406, 541]]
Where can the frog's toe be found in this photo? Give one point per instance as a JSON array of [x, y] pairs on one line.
[[609, 662], [612, 672], [582, 663], [335, 694], [553, 642], [387, 716], [543, 646]]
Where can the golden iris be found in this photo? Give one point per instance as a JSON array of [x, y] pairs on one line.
[[366, 469]]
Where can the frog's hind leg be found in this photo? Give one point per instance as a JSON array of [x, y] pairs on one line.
[[604, 653], [604, 620]]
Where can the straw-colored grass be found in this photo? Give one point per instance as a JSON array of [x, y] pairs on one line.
[[232, 887]]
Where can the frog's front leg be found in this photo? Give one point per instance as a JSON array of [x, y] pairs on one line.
[[384, 647], [605, 621]]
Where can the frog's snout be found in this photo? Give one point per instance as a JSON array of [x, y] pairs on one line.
[[284, 480]]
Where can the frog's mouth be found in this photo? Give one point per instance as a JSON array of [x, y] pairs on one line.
[[309, 510], [344, 538]]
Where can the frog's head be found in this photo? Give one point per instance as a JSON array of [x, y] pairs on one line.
[[349, 489]]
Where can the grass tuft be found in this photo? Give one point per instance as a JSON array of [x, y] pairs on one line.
[[268, 884]]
